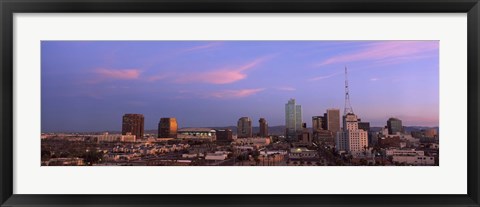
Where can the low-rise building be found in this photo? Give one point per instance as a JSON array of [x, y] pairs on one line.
[[202, 134], [216, 156], [256, 142], [128, 138], [75, 161], [410, 157], [192, 155], [302, 153]]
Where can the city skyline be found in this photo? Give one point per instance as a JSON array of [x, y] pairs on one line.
[[88, 85]]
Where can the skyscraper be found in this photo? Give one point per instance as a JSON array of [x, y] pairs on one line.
[[244, 127], [263, 127], [318, 123], [352, 139], [394, 125], [133, 123], [333, 120], [167, 128], [364, 125], [293, 119]]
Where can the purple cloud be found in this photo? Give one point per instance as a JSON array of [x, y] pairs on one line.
[[389, 51], [220, 76]]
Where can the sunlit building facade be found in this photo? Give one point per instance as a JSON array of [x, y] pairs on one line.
[[352, 139], [167, 128]]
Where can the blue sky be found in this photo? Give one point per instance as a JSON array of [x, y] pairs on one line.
[[89, 85]]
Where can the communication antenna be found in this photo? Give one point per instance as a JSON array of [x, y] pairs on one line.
[[348, 107]]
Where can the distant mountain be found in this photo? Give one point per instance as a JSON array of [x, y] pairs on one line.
[[272, 130], [409, 129]]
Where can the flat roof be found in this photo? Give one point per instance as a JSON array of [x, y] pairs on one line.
[[195, 129]]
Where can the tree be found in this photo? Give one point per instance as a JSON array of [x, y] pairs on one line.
[[257, 161], [92, 156], [363, 161]]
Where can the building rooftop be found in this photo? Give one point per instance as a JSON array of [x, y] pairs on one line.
[[195, 129], [300, 149]]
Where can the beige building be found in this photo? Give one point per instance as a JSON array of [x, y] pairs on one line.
[[128, 138], [410, 157], [352, 139]]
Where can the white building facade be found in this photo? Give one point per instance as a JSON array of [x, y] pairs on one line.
[[352, 139]]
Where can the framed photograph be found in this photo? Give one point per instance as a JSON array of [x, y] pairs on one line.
[[239, 103]]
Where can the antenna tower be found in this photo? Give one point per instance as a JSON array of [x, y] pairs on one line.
[[348, 108]]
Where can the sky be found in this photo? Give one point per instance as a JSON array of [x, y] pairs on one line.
[[89, 85]]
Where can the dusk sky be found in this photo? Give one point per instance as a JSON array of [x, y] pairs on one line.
[[89, 85]]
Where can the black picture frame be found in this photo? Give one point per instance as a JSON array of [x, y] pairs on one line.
[[10, 7]]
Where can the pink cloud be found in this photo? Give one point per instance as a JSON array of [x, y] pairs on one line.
[[221, 94], [220, 76], [126, 74], [234, 93], [389, 51]]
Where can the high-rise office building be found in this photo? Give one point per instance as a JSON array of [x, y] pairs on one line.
[[333, 120], [394, 125], [366, 126], [263, 127], [167, 128], [352, 138], [320, 132], [293, 119], [244, 127], [318, 123], [133, 123], [305, 137]]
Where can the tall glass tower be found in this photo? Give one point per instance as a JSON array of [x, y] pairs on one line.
[[244, 127], [293, 119]]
